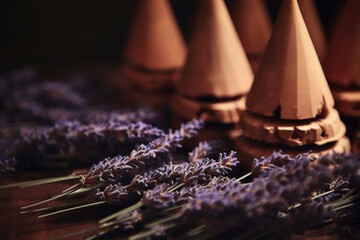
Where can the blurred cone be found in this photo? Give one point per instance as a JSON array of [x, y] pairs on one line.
[[154, 53], [313, 24], [342, 64], [253, 26]]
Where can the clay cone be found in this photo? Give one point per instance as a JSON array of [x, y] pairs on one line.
[[217, 73], [312, 21], [342, 64], [217, 66], [253, 26], [154, 54], [155, 41], [290, 105], [290, 83]]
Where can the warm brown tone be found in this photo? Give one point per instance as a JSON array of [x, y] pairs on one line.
[[253, 26], [154, 40], [290, 82], [217, 73], [290, 105], [154, 54], [312, 21], [342, 64], [217, 65], [293, 133]]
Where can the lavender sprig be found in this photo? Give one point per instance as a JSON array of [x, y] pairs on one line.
[[145, 156], [203, 150]]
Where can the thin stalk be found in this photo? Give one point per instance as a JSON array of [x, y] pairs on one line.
[[148, 233], [314, 198], [244, 176], [175, 187], [174, 216], [72, 187], [50, 199], [195, 231], [71, 209], [122, 212], [52, 208], [172, 208], [343, 206], [39, 182]]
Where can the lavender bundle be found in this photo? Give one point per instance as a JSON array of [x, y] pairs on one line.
[[83, 142], [27, 99], [186, 174], [122, 169], [305, 191]]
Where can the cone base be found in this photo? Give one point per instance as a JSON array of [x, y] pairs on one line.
[[347, 102], [216, 112], [150, 80], [293, 133], [153, 88], [248, 149]]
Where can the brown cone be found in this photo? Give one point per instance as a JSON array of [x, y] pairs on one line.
[[290, 83], [290, 106], [217, 66], [155, 41], [253, 26], [342, 64], [312, 21]]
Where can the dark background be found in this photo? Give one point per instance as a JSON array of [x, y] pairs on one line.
[[48, 33]]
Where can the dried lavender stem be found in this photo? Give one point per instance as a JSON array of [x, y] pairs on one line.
[[244, 176], [143, 235], [51, 199], [39, 182], [52, 208], [71, 209]]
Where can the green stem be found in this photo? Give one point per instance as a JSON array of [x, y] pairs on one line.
[[71, 209], [244, 176], [51, 199], [53, 208], [39, 182], [175, 187], [174, 216], [143, 235]]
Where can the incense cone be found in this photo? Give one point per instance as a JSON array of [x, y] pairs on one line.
[[253, 25], [217, 74], [313, 24], [290, 106], [342, 64], [154, 53]]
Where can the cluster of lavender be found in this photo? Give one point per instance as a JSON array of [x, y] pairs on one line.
[[53, 120], [186, 174], [140, 165], [83, 142], [145, 157], [281, 200], [25, 98]]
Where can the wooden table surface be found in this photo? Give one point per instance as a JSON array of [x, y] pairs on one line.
[[14, 225]]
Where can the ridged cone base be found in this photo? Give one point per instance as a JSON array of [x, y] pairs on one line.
[[293, 133], [216, 112]]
